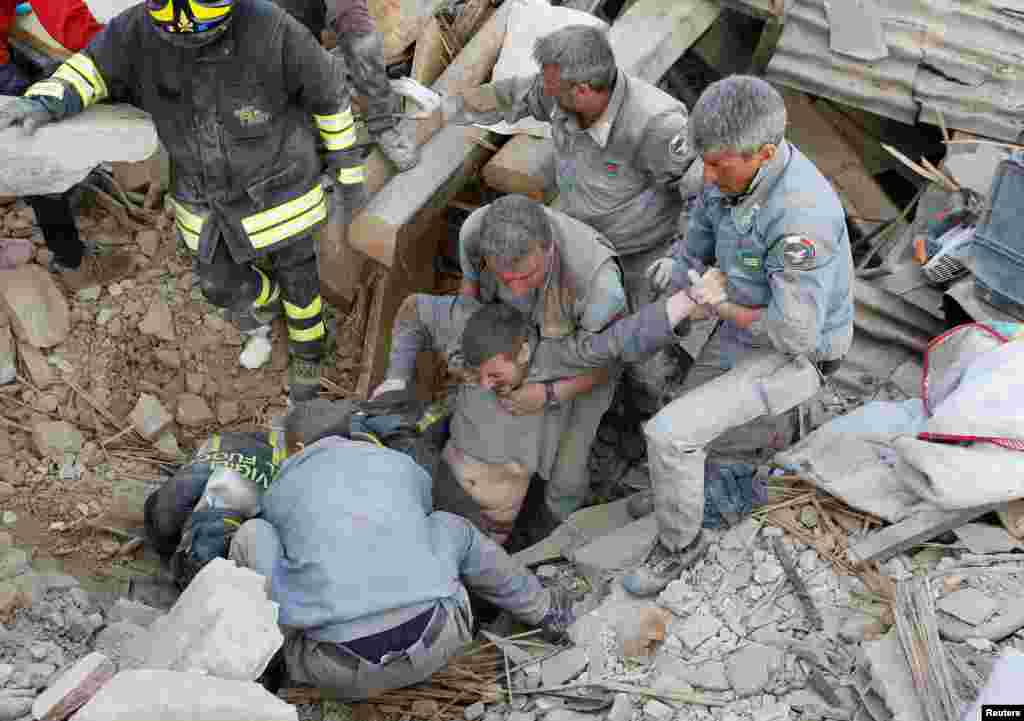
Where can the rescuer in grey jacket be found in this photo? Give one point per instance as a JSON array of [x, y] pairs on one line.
[[621, 149]]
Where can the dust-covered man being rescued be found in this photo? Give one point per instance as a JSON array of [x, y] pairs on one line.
[[492, 455]]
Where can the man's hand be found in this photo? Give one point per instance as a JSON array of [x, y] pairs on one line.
[[391, 384], [27, 113], [709, 289], [525, 400], [660, 273]]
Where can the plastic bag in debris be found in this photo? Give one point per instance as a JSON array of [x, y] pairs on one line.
[[731, 491]]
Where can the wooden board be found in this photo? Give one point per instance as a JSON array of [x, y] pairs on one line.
[[647, 39], [428, 60], [397, 198], [532, 170], [838, 161], [891, 540]]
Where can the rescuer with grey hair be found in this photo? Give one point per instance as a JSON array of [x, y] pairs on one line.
[[620, 151], [776, 230]]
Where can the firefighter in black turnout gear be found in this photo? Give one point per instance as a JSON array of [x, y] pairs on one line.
[[251, 110]]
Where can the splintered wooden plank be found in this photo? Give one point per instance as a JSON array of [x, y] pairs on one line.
[[920, 528]]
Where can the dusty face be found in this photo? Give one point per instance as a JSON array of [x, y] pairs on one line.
[[523, 274], [733, 172], [563, 92], [501, 374]]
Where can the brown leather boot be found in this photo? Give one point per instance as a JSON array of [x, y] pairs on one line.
[[95, 270]]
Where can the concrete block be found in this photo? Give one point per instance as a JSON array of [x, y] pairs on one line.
[[752, 668], [564, 667], [155, 695], [74, 688], [969, 605], [35, 305], [149, 417], [223, 624], [621, 548]]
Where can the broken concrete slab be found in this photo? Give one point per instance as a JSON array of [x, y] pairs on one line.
[[74, 688], [31, 299], [922, 526], [155, 695], [752, 668], [158, 321], [149, 417], [579, 529], [38, 368], [969, 605], [193, 410], [122, 642], [223, 624], [891, 677], [622, 548], [564, 667], [8, 360], [55, 438], [59, 155], [135, 612], [986, 538], [855, 29], [698, 628], [710, 676]]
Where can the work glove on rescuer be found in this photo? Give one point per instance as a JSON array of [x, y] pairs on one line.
[[660, 273], [27, 113]]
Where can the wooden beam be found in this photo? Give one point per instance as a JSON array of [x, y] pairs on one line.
[[428, 60], [920, 528], [533, 171], [647, 39]]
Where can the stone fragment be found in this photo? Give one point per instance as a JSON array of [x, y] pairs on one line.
[[149, 417], [698, 628], [768, 572], [740, 536], [130, 611], [55, 438], [522, 716], [474, 711], [158, 321], [657, 710], [13, 562], [564, 667], [808, 560], [89, 295], [622, 708], [167, 445], [170, 358], [223, 624], [35, 305], [15, 252], [104, 316], [227, 412], [15, 704], [156, 695], [39, 674], [193, 410], [149, 242], [710, 676], [74, 688], [619, 549], [7, 491], [808, 517], [772, 711], [122, 643], [39, 370], [752, 668], [969, 605], [739, 577], [194, 383], [8, 359], [425, 708]]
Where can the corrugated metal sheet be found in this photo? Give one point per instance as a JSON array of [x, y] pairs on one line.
[[963, 58]]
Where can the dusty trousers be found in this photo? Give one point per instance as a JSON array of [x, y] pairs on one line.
[[726, 412], [287, 279]]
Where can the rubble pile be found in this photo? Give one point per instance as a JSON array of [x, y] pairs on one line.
[[105, 386]]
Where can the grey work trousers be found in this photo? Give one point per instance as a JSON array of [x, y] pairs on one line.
[[346, 676], [725, 411]]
